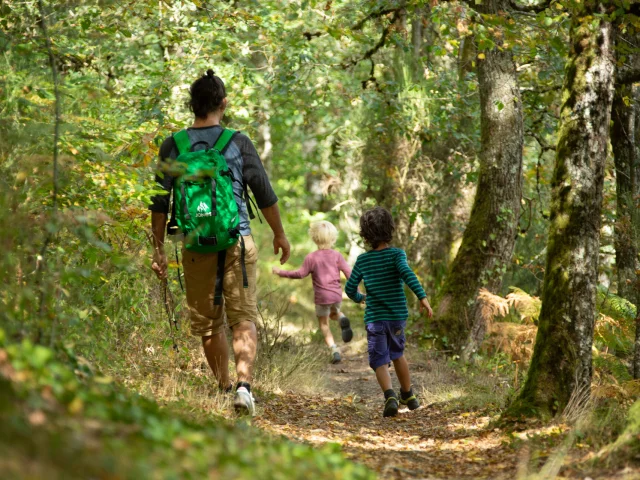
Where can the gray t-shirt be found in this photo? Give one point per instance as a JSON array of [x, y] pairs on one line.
[[243, 160]]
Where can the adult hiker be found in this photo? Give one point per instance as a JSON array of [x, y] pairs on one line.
[[209, 168]]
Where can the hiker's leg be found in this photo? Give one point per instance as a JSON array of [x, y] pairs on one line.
[[206, 318], [378, 348], [242, 306], [383, 377], [245, 341], [402, 371], [323, 323], [216, 350], [345, 325], [397, 342]]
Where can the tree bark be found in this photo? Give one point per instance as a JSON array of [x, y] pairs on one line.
[[635, 225], [636, 346], [416, 33], [489, 239], [561, 363], [623, 145]]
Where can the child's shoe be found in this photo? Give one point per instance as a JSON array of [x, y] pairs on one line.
[[409, 399], [347, 333], [335, 358], [390, 404]]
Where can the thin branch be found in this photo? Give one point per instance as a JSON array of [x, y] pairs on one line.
[[544, 146], [383, 39], [56, 92], [530, 202], [376, 14], [552, 88], [372, 78], [310, 35], [56, 137], [540, 7]]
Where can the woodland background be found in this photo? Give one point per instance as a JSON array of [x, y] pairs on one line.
[[501, 135]]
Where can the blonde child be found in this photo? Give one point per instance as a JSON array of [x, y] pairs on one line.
[[325, 265]]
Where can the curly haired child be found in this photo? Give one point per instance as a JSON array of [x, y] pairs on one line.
[[325, 265], [384, 270]]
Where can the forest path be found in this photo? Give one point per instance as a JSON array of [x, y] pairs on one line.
[[433, 442]]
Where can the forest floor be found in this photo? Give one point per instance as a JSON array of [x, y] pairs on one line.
[[448, 437], [434, 441]]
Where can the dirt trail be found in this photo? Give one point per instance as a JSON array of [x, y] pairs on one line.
[[424, 444]]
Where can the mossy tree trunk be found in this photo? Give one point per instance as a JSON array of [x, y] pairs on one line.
[[635, 225], [624, 130], [489, 239], [561, 363], [624, 152]]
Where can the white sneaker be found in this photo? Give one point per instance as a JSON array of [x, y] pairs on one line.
[[243, 402]]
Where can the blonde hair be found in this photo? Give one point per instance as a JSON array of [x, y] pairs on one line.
[[323, 234]]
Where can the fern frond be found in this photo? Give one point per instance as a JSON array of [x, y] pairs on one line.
[[526, 305], [615, 306]]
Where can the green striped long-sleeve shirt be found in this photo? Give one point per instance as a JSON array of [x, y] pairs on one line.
[[383, 272]]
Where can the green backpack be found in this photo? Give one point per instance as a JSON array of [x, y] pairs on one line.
[[205, 203]]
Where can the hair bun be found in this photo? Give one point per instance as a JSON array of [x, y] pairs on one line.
[[210, 73]]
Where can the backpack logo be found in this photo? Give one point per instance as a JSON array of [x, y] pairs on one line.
[[203, 210]]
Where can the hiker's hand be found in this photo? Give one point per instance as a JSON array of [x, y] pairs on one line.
[[425, 307], [275, 271], [159, 263], [280, 242]]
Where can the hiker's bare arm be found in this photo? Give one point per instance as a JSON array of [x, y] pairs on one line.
[[280, 242], [159, 262]]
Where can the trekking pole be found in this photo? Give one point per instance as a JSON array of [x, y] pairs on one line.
[[169, 304], [178, 264], [171, 315]]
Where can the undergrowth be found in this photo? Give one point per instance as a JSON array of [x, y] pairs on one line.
[[61, 419]]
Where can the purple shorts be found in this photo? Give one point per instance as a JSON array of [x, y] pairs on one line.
[[386, 342]]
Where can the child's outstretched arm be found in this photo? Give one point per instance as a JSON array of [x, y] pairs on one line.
[[344, 267], [351, 288], [408, 276], [302, 272], [412, 281]]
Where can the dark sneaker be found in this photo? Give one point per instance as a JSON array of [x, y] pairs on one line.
[[347, 333], [410, 401], [336, 358], [390, 407], [243, 402], [225, 391]]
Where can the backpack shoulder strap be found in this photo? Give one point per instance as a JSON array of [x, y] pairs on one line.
[[224, 140], [183, 144]]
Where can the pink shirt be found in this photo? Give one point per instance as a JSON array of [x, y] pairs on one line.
[[325, 267]]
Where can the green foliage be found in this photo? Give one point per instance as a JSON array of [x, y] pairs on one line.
[[609, 366], [615, 325], [60, 413], [614, 306]]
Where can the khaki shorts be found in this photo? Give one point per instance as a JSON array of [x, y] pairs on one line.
[[239, 303], [326, 310]]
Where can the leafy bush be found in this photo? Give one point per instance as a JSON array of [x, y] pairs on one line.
[[78, 424]]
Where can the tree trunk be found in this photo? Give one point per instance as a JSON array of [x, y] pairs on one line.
[[635, 224], [489, 239], [416, 33], [561, 363], [623, 145], [636, 349]]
